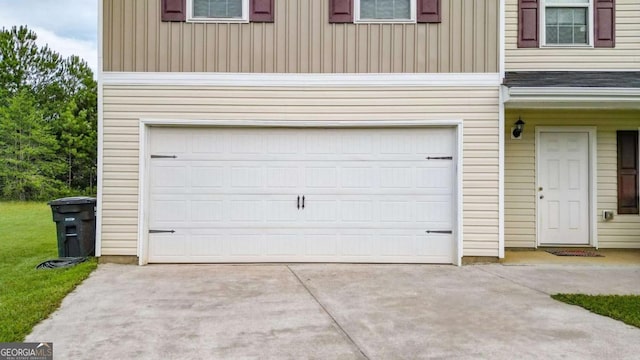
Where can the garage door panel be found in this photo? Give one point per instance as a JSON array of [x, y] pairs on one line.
[[168, 246], [370, 195], [434, 142], [282, 211], [319, 142], [395, 177], [396, 144], [353, 142], [356, 211], [357, 177], [321, 177], [378, 211], [283, 244], [282, 143], [247, 177], [283, 177], [300, 245], [203, 177], [320, 242], [206, 142], [206, 211], [168, 175], [436, 245], [170, 141], [247, 243], [399, 244], [247, 211], [358, 244], [208, 245], [434, 213], [435, 177], [168, 211], [248, 143]]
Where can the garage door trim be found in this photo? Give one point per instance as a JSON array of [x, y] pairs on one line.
[[146, 124]]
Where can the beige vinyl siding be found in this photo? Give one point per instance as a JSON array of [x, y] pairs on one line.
[[124, 106], [520, 187], [301, 40], [625, 55]]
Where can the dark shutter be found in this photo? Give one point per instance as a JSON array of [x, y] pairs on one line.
[[627, 172], [429, 11], [174, 10], [528, 23], [605, 23], [340, 11], [261, 10]]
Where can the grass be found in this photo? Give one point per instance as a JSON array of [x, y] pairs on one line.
[[27, 295], [625, 308]]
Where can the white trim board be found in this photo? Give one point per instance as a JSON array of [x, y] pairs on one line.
[[501, 169], [145, 124], [503, 37], [100, 165], [571, 98], [301, 80], [593, 178]]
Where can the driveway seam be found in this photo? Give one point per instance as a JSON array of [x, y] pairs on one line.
[[513, 281], [342, 330]]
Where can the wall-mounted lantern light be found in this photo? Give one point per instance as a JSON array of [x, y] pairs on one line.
[[517, 129]]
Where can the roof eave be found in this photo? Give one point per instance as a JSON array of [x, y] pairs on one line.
[[571, 97]]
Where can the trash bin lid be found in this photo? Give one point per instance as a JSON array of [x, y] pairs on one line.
[[75, 200]]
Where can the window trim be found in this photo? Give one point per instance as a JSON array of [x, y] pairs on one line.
[[412, 12], [543, 25], [244, 19]]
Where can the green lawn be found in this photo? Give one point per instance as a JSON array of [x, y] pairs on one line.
[[625, 308], [28, 296]]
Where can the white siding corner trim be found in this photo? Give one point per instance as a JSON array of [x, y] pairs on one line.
[[501, 168], [145, 124], [100, 124], [306, 80]]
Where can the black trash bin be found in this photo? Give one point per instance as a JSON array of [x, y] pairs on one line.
[[75, 218]]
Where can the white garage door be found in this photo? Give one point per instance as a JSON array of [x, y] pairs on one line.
[[301, 195]]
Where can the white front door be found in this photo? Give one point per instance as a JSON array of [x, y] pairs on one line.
[[563, 188], [301, 195]]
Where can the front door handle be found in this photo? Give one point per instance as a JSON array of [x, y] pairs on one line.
[[298, 201], [303, 201], [541, 197]]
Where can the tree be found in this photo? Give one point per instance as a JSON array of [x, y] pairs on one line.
[[55, 98], [28, 151]]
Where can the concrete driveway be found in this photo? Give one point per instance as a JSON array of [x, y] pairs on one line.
[[340, 312]]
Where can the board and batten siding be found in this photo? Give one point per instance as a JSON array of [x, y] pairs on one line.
[[301, 40], [520, 187], [625, 55], [124, 106]]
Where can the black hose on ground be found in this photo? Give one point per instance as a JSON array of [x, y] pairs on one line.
[[61, 263]]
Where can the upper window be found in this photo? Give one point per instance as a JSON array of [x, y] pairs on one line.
[[385, 10], [566, 22], [219, 10]]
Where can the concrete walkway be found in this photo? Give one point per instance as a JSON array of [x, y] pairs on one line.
[[340, 312]]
